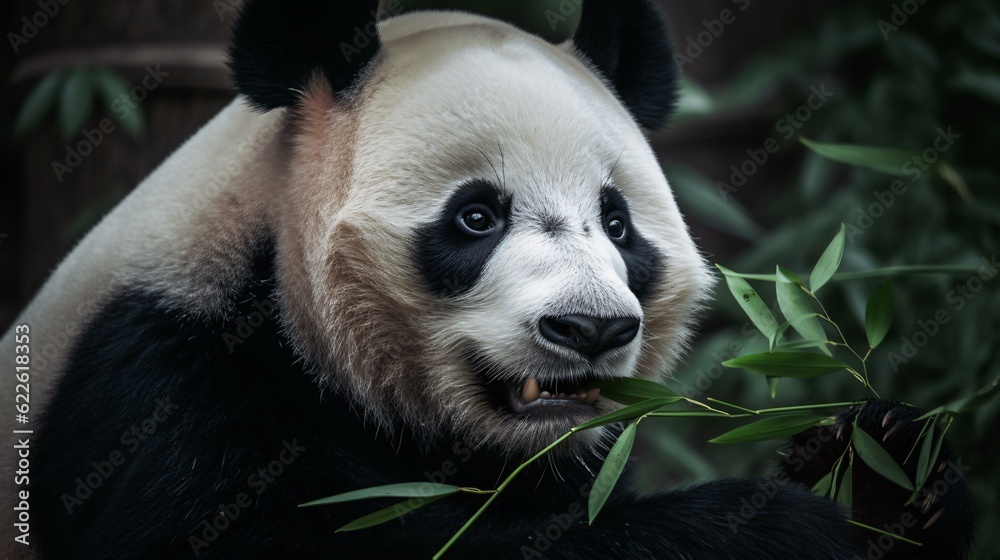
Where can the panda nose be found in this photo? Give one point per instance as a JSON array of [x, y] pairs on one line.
[[589, 335]]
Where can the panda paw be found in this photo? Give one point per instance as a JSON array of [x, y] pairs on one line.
[[940, 515]]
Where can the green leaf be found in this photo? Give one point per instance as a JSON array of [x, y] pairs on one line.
[[822, 486], [787, 364], [401, 490], [924, 460], [76, 102], [772, 385], [800, 345], [883, 160], [625, 414], [634, 390], [384, 515], [112, 88], [611, 471], [751, 303], [878, 459], [793, 304], [845, 494], [775, 427], [38, 104], [878, 313], [829, 261], [969, 403]]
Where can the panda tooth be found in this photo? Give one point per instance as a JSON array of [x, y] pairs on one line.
[[591, 396], [545, 395], [530, 392]]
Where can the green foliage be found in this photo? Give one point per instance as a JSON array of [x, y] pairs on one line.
[[71, 93], [941, 70]]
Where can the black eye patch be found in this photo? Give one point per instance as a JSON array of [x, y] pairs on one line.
[[642, 260], [452, 250]]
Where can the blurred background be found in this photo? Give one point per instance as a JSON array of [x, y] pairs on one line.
[[97, 94]]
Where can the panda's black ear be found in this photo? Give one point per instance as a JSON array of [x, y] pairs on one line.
[[628, 41], [279, 45]]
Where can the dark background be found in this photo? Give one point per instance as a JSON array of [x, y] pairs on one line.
[[939, 69]]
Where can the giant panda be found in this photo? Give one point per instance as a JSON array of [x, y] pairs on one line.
[[402, 259]]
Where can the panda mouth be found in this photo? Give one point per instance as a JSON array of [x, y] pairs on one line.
[[539, 396], [533, 393], [536, 397]]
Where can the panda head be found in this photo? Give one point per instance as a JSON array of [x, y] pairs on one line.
[[473, 227]]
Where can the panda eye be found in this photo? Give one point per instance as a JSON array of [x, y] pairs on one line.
[[476, 220], [614, 224]]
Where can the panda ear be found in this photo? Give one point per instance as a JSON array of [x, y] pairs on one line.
[[278, 46], [628, 41]]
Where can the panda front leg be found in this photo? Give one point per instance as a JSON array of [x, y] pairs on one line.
[[941, 517]]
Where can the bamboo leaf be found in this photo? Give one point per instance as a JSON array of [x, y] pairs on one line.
[[791, 300], [822, 486], [845, 494], [625, 414], [384, 515], [878, 313], [751, 303], [772, 385], [38, 104], [969, 403], [637, 389], [775, 427], [611, 471], [401, 490], [878, 459], [884, 160], [76, 102], [787, 364], [924, 459], [828, 262]]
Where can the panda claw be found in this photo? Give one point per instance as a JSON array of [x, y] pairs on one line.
[[942, 466], [891, 431], [840, 431], [887, 419], [933, 519]]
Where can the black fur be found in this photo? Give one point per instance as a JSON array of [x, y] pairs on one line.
[[642, 260], [242, 406], [277, 47], [449, 260], [628, 41]]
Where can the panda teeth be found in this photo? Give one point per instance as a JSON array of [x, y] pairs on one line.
[[531, 392]]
